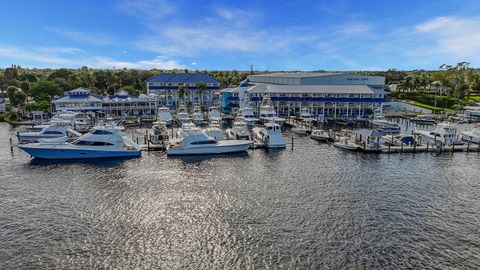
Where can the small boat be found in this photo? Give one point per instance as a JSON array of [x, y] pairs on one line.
[[102, 142], [164, 115], [158, 134], [214, 114], [239, 131], [214, 130], [320, 135], [270, 135], [199, 143], [267, 112], [299, 130], [197, 115], [248, 115], [443, 133], [424, 119], [346, 144], [473, 135], [48, 132], [182, 115], [374, 142]]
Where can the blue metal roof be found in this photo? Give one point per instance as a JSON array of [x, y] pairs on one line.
[[182, 78]]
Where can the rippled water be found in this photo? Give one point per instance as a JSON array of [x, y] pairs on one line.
[[311, 207]]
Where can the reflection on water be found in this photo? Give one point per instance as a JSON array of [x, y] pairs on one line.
[[313, 207]]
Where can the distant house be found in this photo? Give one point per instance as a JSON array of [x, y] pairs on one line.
[[166, 85], [79, 99]]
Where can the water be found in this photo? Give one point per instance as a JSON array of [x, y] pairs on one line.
[[312, 207]]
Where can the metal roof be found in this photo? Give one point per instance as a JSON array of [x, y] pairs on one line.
[[314, 89], [182, 78], [296, 75], [86, 98]]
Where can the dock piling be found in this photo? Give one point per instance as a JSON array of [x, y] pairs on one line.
[[414, 147]]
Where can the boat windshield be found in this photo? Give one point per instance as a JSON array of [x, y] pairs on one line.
[[205, 142], [101, 132], [91, 143]]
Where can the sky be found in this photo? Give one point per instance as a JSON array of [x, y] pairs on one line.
[[227, 35]]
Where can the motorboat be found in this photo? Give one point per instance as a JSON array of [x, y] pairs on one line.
[[424, 119], [320, 135], [197, 115], [443, 133], [270, 135], [305, 115], [473, 135], [247, 113], [182, 115], [105, 141], [374, 142], [199, 143], [267, 112], [214, 114], [239, 131], [48, 132], [164, 115], [185, 129], [215, 131], [158, 134], [383, 125], [299, 130], [346, 144]]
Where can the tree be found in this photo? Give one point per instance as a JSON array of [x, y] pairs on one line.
[[11, 92], [25, 85], [44, 89], [11, 73], [182, 92], [130, 90], [16, 96], [202, 88]]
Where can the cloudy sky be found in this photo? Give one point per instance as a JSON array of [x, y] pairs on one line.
[[273, 35]]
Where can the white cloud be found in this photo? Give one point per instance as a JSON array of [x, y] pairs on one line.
[[60, 50], [92, 38], [156, 63], [16, 53]]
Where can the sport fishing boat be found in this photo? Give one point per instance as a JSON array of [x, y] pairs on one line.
[[214, 114], [320, 135], [182, 114], [164, 115], [383, 125], [239, 131], [199, 143], [473, 135], [215, 131], [444, 133], [270, 135], [48, 132], [247, 113], [102, 142], [267, 112], [197, 115]]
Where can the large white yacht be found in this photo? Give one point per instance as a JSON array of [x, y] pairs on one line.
[[102, 142], [215, 131], [473, 135], [164, 115], [443, 132], [247, 114], [267, 112], [383, 124], [197, 115], [239, 131], [199, 143], [214, 114], [182, 114], [270, 135], [48, 132]]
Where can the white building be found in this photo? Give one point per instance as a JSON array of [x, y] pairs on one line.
[[79, 99]]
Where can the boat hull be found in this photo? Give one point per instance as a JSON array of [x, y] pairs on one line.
[[320, 138], [65, 153], [241, 147], [348, 147]]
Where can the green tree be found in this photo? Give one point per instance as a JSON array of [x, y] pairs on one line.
[[45, 88], [25, 85], [130, 90], [202, 88], [182, 92]]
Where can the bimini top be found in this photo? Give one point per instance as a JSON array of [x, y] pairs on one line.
[[182, 78]]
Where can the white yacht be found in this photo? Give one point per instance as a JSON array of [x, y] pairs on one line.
[[473, 135], [199, 143], [214, 114], [158, 134], [197, 115], [214, 130], [164, 115], [320, 135], [185, 129], [247, 113], [48, 132], [267, 112], [383, 124], [102, 142], [239, 131], [443, 132], [182, 114], [305, 115], [270, 135]]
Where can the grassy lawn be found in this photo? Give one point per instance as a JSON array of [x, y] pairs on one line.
[[428, 106], [473, 99]]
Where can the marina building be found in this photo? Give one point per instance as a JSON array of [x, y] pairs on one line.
[[197, 88], [78, 100], [333, 95]]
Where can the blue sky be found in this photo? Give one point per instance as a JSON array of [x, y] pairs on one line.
[[225, 35]]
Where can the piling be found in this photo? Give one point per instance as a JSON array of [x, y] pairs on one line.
[[441, 145], [414, 147], [478, 148], [468, 145], [453, 148], [292, 143], [389, 148]]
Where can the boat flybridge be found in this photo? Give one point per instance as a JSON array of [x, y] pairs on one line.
[[164, 115], [444, 133], [239, 131], [105, 141], [270, 135], [383, 124], [473, 135], [196, 142], [182, 114], [214, 114], [215, 131], [267, 112], [197, 115], [248, 115]]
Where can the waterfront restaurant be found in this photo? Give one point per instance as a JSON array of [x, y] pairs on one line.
[[333, 95], [166, 86], [78, 100]]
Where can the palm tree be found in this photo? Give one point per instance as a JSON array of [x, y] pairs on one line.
[[202, 88], [182, 92]]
